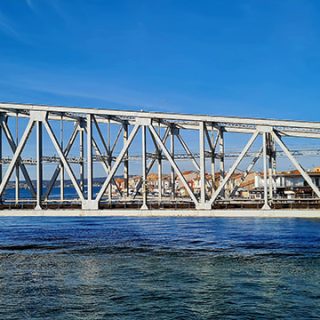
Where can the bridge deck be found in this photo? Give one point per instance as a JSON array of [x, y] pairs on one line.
[[306, 214]]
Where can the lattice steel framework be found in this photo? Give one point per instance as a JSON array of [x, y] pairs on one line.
[[94, 145]]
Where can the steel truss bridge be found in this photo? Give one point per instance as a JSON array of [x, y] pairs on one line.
[[110, 139]]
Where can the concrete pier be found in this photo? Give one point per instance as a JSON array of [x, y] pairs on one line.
[[164, 213]]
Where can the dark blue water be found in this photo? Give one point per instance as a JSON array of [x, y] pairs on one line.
[[159, 268], [69, 193]]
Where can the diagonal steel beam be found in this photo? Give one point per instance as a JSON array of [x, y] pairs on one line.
[[57, 170], [117, 162], [116, 140], [173, 164], [233, 168], [109, 152], [246, 173], [101, 137], [188, 151], [63, 159], [152, 161], [296, 163], [16, 155], [13, 147], [211, 145], [213, 141], [105, 164], [190, 154]]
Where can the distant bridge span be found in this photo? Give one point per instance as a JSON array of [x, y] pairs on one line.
[[110, 139]]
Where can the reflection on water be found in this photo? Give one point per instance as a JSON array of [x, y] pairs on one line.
[[159, 268]]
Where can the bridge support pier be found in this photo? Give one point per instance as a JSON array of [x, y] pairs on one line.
[[89, 205]]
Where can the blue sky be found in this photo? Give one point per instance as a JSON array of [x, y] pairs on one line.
[[245, 58]]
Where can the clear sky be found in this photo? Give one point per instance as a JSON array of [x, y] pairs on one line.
[[245, 58]]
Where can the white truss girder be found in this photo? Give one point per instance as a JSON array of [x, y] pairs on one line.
[[209, 148]]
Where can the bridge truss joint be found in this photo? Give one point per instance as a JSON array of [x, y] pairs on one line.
[[39, 116]]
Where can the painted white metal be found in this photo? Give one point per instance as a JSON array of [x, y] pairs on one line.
[[202, 163], [247, 171], [233, 168], [63, 159], [117, 162], [152, 161], [188, 151], [89, 158], [57, 170], [39, 165], [160, 115], [16, 155], [296, 164], [173, 164], [266, 205], [86, 118], [13, 147], [144, 168]]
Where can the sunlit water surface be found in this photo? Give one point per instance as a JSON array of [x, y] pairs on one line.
[[159, 268]]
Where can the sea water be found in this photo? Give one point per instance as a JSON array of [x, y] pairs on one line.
[[159, 268]]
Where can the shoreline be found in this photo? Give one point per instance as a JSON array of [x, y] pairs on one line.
[[231, 213]]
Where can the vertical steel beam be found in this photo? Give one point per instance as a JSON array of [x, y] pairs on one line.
[[265, 172], [89, 157], [63, 159], [159, 167], [212, 145], [39, 165], [296, 164], [270, 164], [109, 159], [144, 169], [103, 162], [172, 175], [106, 147], [221, 157], [152, 161], [117, 162], [213, 161], [13, 147], [0, 157], [188, 151], [17, 193], [81, 154], [126, 161], [234, 167], [173, 164], [274, 163], [57, 170], [16, 155], [246, 173], [116, 140], [202, 163], [61, 164]]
